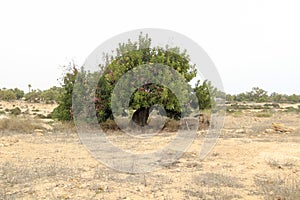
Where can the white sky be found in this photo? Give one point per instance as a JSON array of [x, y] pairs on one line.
[[252, 42]]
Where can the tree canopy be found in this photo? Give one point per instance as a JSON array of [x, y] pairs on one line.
[[145, 63]]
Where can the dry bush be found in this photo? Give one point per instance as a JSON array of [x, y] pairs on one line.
[[21, 125], [281, 163], [287, 187], [64, 127], [25, 175], [172, 125]]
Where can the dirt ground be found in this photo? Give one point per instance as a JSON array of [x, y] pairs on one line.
[[250, 161]]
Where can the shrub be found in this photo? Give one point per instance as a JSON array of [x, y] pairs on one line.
[[263, 114], [19, 93], [7, 95], [15, 111], [19, 125], [33, 96]]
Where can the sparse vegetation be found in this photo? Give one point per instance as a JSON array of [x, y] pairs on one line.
[[263, 114], [280, 187], [24, 125], [259, 95], [15, 111]]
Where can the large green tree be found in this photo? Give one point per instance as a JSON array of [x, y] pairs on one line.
[[131, 55], [129, 58]]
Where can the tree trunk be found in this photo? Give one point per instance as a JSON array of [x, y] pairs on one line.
[[140, 116]]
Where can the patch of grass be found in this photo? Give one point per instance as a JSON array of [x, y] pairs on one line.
[[211, 193], [2, 112], [65, 126], [291, 109], [15, 124], [217, 180], [263, 114], [287, 187], [235, 113], [12, 174], [280, 164]]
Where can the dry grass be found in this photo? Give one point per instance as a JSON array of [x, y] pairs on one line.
[[65, 127], [217, 180], [20, 125], [263, 114], [280, 187], [281, 163]]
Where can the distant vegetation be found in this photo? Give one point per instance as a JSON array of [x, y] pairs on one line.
[[259, 95], [46, 96]]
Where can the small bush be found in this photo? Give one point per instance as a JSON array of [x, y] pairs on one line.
[[172, 125], [263, 114], [278, 187], [15, 111], [19, 125]]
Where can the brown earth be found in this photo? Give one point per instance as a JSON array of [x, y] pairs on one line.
[[250, 161]]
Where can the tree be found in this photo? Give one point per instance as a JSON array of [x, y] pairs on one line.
[[33, 96], [130, 58], [51, 95], [7, 95], [204, 92], [63, 111], [19, 93], [29, 88], [132, 55], [258, 95]]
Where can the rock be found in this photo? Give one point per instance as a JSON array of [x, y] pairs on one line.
[[269, 130], [281, 128]]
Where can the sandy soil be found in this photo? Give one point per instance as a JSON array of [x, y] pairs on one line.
[[250, 161]]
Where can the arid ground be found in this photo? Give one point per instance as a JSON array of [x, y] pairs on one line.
[[257, 157]]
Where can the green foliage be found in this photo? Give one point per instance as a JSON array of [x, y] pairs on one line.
[[64, 110], [84, 95], [51, 95], [128, 57], [132, 55], [47, 96], [19, 93], [259, 95], [15, 111], [7, 95], [33, 96], [204, 93]]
